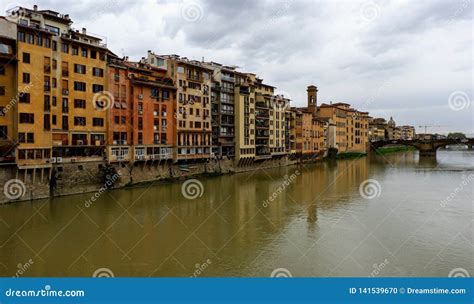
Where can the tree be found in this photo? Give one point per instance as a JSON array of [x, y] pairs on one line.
[[456, 135]]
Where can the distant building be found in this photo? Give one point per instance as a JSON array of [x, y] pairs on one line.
[[407, 132], [352, 126], [377, 129]]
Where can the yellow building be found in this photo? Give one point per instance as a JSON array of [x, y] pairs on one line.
[[62, 117], [408, 132], [351, 126], [277, 122], [245, 119], [8, 91]]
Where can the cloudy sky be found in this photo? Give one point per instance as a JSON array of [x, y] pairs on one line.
[[412, 60]]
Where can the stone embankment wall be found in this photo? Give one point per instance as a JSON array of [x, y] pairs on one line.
[[75, 178]]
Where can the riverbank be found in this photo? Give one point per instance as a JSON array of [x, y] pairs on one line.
[[394, 149], [98, 176]]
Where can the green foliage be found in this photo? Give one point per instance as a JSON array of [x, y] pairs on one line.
[[393, 149], [109, 176], [456, 135]]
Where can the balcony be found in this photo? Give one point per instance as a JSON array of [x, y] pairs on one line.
[[79, 142], [228, 90], [228, 78], [194, 77]]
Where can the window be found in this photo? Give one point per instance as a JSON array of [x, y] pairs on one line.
[[47, 43], [84, 52], [79, 121], [26, 57], [47, 103], [75, 51], [53, 118], [51, 29], [47, 122], [64, 68], [31, 39], [39, 40], [3, 132], [166, 95], [26, 138], [65, 48], [97, 122], [27, 118], [79, 103], [30, 137], [65, 105], [79, 69], [55, 46], [54, 102], [21, 37], [98, 72], [97, 88], [2, 91], [65, 123], [79, 86], [55, 64], [24, 98], [2, 70], [93, 54]]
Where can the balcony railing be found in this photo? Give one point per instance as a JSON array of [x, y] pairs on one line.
[[227, 78]]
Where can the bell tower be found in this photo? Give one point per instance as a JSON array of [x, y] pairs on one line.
[[312, 99]]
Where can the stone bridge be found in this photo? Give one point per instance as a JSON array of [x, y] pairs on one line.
[[425, 147]]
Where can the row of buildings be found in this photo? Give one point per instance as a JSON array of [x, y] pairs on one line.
[[380, 129], [65, 97]]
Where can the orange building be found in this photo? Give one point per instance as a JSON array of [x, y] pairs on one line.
[[140, 124], [193, 104]]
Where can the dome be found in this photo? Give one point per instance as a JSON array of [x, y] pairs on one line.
[[391, 122]]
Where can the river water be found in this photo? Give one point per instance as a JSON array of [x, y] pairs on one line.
[[391, 215]]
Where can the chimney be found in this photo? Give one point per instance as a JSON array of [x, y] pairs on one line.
[[312, 99], [84, 30], [35, 8]]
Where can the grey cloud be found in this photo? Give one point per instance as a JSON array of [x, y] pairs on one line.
[[406, 61]]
